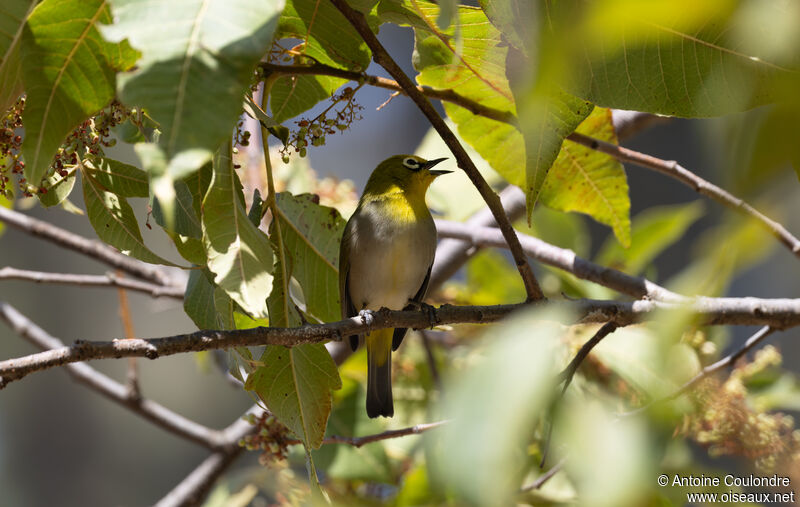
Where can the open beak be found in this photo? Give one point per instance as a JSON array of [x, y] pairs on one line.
[[431, 163]]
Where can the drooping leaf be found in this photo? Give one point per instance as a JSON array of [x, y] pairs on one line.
[[654, 229], [269, 123], [198, 302], [69, 73], [114, 221], [123, 179], [311, 235], [239, 254], [325, 34], [186, 220], [513, 19], [12, 21], [197, 60], [591, 182], [546, 117], [680, 58], [497, 426], [58, 188], [296, 383]]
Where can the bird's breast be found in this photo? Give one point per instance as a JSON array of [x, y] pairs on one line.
[[390, 252]]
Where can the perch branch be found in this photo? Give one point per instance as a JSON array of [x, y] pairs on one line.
[[382, 58], [779, 313], [107, 280]]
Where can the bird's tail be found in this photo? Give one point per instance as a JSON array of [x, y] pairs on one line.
[[379, 373]]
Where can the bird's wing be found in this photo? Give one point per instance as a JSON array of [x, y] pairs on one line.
[[400, 332], [346, 302]]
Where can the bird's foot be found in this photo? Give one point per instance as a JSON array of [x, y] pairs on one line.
[[368, 318]]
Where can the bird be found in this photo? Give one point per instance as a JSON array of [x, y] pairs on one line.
[[385, 261]]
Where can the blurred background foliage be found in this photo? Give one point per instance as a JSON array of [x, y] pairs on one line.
[[727, 69]]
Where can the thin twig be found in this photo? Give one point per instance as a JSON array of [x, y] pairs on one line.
[[110, 388], [726, 361], [110, 280], [539, 482], [382, 58], [94, 249], [674, 170], [780, 313], [368, 439], [569, 372]]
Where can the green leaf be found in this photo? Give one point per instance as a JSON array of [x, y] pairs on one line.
[[311, 236], [513, 19], [291, 96], [58, 188], [12, 21], [69, 73], [295, 384], [325, 34], [198, 301], [186, 220], [274, 128], [239, 254], [123, 179], [114, 221], [498, 426], [197, 61], [591, 182], [546, 116], [654, 230], [680, 58]]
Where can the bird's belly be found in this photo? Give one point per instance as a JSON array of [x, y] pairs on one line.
[[390, 271]]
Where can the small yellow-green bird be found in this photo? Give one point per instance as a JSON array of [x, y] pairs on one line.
[[385, 261]]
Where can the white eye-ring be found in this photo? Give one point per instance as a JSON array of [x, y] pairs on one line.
[[411, 163]]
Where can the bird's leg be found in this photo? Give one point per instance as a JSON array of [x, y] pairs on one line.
[[419, 305]]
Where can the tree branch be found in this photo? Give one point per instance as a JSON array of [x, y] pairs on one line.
[[107, 280], [562, 258], [94, 249], [569, 372], [111, 389], [674, 170], [779, 313], [193, 489], [382, 58]]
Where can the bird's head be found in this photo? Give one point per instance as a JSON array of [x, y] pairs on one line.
[[409, 173]]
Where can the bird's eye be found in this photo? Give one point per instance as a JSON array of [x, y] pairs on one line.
[[411, 163]]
